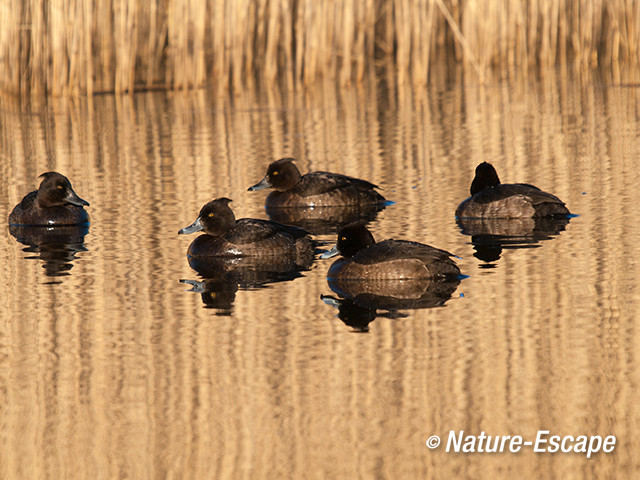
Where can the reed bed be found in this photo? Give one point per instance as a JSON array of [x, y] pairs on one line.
[[82, 47]]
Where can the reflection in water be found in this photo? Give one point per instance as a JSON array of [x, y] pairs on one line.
[[56, 246], [119, 371], [361, 299], [223, 276], [354, 315], [324, 220], [490, 235], [218, 293]]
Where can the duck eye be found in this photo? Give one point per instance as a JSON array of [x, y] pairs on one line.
[[343, 239], [210, 215], [275, 172], [60, 187]]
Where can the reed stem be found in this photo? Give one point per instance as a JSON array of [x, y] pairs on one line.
[[81, 47]]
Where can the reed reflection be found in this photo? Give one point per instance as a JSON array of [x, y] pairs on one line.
[[490, 235], [359, 302], [56, 246]]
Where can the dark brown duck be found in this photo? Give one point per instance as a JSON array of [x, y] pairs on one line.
[[363, 258], [315, 189], [225, 236], [492, 199], [54, 203]]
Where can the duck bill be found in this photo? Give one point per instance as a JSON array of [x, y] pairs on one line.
[[331, 300], [331, 253], [74, 199], [264, 183], [196, 286], [194, 227]]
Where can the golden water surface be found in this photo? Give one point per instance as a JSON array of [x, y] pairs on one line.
[[111, 367]]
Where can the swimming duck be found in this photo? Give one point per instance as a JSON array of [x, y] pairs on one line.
[[315, 189], [227, 237], [54, 203], [492, 199], [363, 258]]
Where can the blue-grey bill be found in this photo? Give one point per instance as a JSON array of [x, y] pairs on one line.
[[196, 286], [329, 300], [331, 253], [264, 183], [74, 199], [194, 227]]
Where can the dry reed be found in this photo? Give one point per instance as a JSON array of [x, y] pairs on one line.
[[82, 47]]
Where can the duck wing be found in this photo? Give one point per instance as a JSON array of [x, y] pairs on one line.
[[28, 200], [389, 250], [506, 190], [252, 230], [316, 183]]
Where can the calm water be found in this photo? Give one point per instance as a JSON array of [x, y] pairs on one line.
[[117, 360]]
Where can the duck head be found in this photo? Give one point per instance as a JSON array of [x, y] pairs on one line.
[[486, 177], [351, 239], [55, 190], [282, 175], [215, 218]]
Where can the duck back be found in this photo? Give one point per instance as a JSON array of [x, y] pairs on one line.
[[254, 237], [516, 200], [396, 259], [325, 189]]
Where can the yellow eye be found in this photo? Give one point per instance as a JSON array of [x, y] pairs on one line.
[[343, 239], [60, 187], [210, 215], [274, 172]]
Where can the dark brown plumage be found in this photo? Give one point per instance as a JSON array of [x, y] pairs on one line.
[[363, 258], [227, 237], [54, 203], [492, 199], [315, 189]]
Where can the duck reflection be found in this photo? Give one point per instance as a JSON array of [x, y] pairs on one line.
[[55, 246], [324, 220], [359, 302], [356, 316], [217, 293], [222, 277], [490, 235]]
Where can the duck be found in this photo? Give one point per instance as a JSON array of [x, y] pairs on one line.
[[492, 199], [366, 259], [224, 236], [53, 204], [315, 189]]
